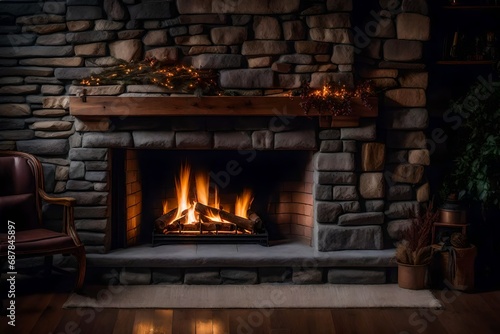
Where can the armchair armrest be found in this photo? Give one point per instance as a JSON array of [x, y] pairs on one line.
[[68, 213]]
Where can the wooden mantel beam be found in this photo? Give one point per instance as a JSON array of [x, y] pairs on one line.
[[92, 107]]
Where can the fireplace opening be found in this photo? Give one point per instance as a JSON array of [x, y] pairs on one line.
[[174, 196]]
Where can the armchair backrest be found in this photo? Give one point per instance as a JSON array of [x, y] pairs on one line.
[[21, 176]]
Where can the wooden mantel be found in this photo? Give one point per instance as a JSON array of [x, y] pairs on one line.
[[93, 107]]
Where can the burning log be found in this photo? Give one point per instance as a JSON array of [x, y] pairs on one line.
[[241, 222], [255, 218], [163, 221]]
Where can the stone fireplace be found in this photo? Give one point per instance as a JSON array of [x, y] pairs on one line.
[[358, 177]]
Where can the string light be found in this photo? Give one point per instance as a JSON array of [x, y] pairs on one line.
[[332, 98]]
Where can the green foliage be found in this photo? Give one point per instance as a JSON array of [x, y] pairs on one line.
[[476, 173]]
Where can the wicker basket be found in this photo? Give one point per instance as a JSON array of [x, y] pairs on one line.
[[463, 276]]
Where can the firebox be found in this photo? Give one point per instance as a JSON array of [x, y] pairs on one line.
[[210, 196]]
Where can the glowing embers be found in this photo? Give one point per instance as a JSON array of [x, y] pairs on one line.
[[199, 211]]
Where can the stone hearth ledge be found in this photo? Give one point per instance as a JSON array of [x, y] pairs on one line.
[[294, 254]]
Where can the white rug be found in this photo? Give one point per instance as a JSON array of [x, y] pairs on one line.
[[257, 296]]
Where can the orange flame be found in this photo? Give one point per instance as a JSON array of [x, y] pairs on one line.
[[202, 190], [182, 190], [243, 203]]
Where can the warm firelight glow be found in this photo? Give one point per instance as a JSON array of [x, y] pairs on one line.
[[243, 203], [186, 203], [182, 190]]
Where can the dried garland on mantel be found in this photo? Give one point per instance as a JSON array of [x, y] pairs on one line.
[[332, 99]]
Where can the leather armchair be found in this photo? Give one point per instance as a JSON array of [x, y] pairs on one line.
[[21, 196]]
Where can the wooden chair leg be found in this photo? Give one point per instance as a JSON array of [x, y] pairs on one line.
[[82, 265]]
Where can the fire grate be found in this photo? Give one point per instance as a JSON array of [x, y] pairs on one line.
[[261, 238]]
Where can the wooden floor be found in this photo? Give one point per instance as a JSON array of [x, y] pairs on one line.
[[39, 310]]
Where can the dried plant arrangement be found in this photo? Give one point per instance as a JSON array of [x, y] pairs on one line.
[[415, 249]]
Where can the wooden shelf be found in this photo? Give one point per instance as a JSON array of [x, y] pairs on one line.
[[465, 62], [479, 7], [98, 107]]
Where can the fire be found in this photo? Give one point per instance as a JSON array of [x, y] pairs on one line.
[[243, 203], [186, 203]]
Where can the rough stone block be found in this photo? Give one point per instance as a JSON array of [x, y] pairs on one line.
[[323, 192], [96, 176], [263, 140], [127, 50], [290, 81], [275, 274], [334, 162], [400, 192], [216, 61], [100, 139], [405, 97], [168, 54], [397, 228], [79, 185], [296, 140], [150, 10], [412, 79], [266, 27], [239, 276], [258, 62], [372, 185], [423, 193], [334, 178], [205, 276], [365, 132], [327, 212], [82, 212], [296, 59], [329, 134], [307, 276], [62, 173], [76, 170], [293, 30], [374, 206], [419, 157], [402, 50], [402, 210], [74, 73], [343, 54], [88, 154], [334, 237], [135, 276], [247, 78], [415, 6], [44, 146], [332, 20], [344, 193], [97, 225], [365, 218], [356, 276], [311, 47], [338, 36], [193, 140], [228, 35], [88, 198], [11, 124], [407, 24], [16, 134], [331, 146], [193, 40], [167, 276], [244, 7], [407, 118], [406, 173], [319, 79], [350, 206], [155, 37], [15, 110], [372, 157], [264, 47], [238, 140], [154, 139]]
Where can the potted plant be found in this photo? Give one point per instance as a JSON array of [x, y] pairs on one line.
[[414, 253], [475, 172]]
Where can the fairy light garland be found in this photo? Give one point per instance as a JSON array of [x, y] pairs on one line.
[[152, 71], [333, 99]]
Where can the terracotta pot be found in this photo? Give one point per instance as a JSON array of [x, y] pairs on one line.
[[412, 277], [452, 216]]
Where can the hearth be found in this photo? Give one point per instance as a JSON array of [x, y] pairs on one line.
[[203, 196]]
